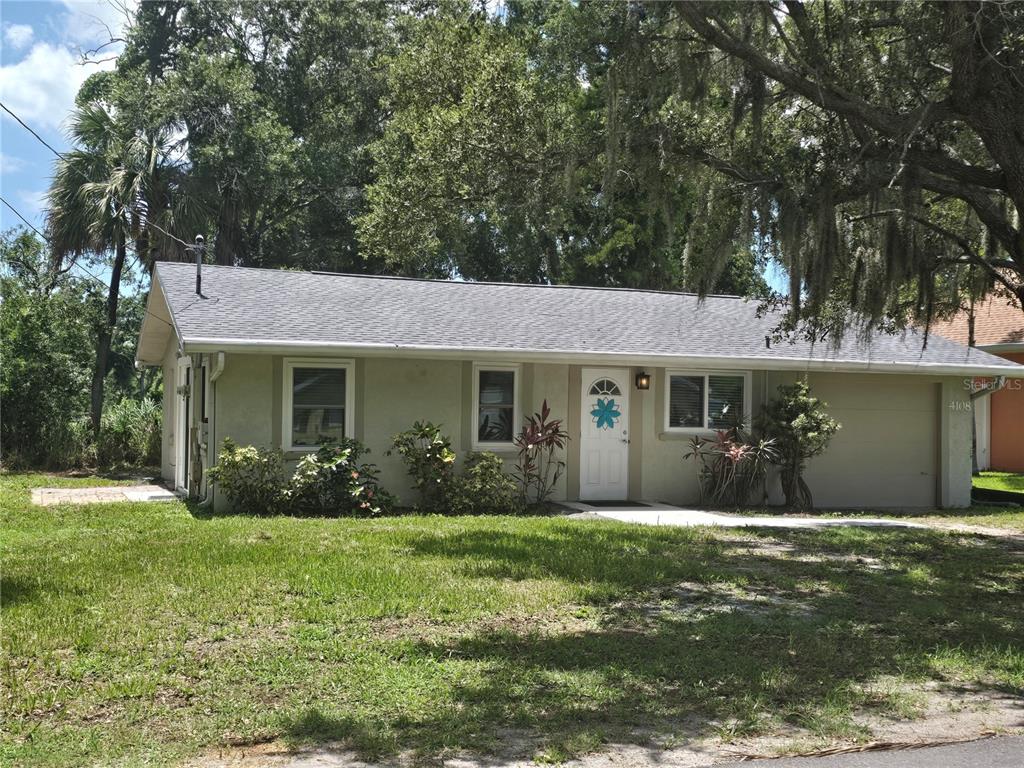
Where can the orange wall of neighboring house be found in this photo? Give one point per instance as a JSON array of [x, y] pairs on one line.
[[1007, 442]]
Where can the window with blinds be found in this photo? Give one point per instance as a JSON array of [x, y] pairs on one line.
[[686, 401], [725, 401], [496, 405], [705, 400], [318, 405], [317, 402]]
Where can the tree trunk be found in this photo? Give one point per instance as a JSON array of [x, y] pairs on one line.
[[106, 333]]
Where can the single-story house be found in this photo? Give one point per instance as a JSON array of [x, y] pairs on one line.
[[287, 358], [998, 413]]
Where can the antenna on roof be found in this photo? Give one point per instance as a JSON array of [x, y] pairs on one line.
[[199, 248]]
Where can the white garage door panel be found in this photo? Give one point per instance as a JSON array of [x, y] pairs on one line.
[[885, 455]]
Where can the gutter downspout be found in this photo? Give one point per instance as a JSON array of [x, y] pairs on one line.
[[218, 369]]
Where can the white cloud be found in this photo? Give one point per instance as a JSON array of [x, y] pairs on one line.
[[18, 36], [11, 164], [92, 23], [33, 202], [41, 88]]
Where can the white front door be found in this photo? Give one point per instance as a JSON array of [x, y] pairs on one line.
[[604, 435]]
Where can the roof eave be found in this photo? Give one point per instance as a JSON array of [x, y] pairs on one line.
[[150, 318], [995, 349], [277, 347]]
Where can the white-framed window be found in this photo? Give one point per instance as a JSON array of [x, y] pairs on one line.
[[318, 398], [698, 401], [495, 406]]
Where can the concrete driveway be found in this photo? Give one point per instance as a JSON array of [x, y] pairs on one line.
[[664, 514]]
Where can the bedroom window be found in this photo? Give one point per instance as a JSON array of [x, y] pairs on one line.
[[496, 403], [317, 403], [702, 400]]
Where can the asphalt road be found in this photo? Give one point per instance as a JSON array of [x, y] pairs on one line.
[[1000, 752]]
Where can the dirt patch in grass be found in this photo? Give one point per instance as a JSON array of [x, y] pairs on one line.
[[934, 714]]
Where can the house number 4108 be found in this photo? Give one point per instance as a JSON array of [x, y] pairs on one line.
[[959, 405]]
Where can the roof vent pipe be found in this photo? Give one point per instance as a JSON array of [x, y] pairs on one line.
[[199, 264]]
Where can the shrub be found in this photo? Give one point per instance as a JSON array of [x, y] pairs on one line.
[[429, 460], [483, 488], [130, 434], [538, 467], [332, 482], [251, 478], [801, 429], [731, 467]]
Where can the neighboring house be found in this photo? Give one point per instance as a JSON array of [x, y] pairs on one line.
[[282, 358], [999, 416]]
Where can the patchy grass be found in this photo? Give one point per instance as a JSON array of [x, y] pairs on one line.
[[1000, 481], [1009, 518], [140, 633]]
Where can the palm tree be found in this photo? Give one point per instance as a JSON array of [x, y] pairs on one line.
[[114, 189]]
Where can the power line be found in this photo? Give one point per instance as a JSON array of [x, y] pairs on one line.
[[115, 203], [28, 223], [99, 280], [27, 128]]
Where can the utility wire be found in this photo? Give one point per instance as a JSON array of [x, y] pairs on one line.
[[99, 280], [27, 128], [115, 203], [28, 223]]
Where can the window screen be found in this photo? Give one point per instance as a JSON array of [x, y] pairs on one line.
[[686, 401], [725, 401], [496, 407], [318, 405]]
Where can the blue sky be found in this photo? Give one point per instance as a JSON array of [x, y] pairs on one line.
[[41, 47]]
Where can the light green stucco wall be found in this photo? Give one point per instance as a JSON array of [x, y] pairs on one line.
[[902, 443]]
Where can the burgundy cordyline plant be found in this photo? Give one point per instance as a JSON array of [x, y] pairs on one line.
[[731, 468], [539, 467]]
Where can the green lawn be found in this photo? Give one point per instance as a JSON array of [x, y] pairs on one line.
[[139, 633], [1000, 481]]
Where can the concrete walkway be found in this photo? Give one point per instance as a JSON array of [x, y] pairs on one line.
[[1004, 752], [47, 497], [664, 514]]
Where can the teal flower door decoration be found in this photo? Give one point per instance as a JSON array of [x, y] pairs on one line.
[[605, 413]]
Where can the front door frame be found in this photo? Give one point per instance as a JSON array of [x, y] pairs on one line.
[[182, 403], [622, 377]]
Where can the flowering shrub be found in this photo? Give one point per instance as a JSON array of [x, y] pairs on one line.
[[483, 488], [429, 460], [251, 478], [538, 467], [731, 468], [333, 482]]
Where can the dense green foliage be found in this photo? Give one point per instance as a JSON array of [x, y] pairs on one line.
[[48, 328], [334, 482], [800, 428], [432, 139], [732, 466], [130, 434], [429, 461], [640, 144], [483, 487], [251, 478], [871, 150]]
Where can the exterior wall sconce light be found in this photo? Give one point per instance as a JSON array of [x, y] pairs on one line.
[[643, 380]]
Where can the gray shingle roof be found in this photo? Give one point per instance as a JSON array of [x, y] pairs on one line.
[[284, 309]]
